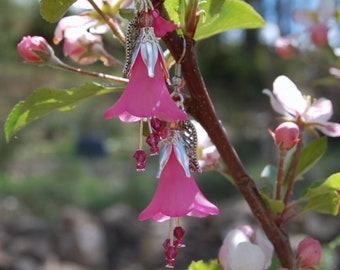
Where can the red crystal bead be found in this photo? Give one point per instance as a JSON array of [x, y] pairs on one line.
[[179, 233], [156, 124], [170, 255], [140, 158], [166, 243], [152, 140]]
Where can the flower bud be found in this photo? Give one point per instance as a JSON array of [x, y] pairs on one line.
[[318, 34], [286, 135], [309, 252], [284, 47], [35, 49]]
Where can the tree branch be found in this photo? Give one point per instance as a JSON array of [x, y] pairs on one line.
[[201, 107]]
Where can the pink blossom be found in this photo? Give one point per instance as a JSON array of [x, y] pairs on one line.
[[286, 135], [146, 96], [288, 101], [243, 249], [309, 252], [35, 49], [177, 194], [80, 45], [316, 21]]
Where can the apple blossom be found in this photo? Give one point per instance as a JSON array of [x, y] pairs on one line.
[[288, 101], [80, 45], [309, 252], [243, 249], [316, 21]]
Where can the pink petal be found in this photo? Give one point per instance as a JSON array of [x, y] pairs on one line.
[[329, 128], [80, 23], [321, 110], [145, 96], [161, 26], [289, 96], [177, 195]]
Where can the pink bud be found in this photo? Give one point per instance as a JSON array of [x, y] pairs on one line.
[[286, 135], [35, 49], [318, 34], [309, 252], [284, 47]]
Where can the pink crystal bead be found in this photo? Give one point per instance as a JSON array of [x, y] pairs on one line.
[[156, 124], [140, 158], [152, 140], [179, 233], [170, 254], [158, 128]]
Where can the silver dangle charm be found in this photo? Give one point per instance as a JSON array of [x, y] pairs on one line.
[[189, 138], [132, 34]]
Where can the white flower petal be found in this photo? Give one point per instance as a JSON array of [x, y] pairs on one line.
[[289, 96], [266, 246], [275, 104], [321, 110], [247, 256], [329, 128], [326, 10]]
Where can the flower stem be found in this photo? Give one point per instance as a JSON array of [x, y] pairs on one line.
[[62, 65], [292, 172], [201, 107], [280, 174], [111, 23]]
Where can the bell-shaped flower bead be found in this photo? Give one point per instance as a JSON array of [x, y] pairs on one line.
[[177, 195], [160, 25], [287, 100], [145, 97]]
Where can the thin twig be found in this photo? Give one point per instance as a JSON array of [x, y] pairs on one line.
[[111, 23], [62, 65]]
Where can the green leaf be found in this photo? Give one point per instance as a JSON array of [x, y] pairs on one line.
[[269, 172], [201, 265], [325, 197], [337, 15], [310, 155], [172, 8], [53, 10], [275, 206], [222, 15], [45, 100], [127, 13]]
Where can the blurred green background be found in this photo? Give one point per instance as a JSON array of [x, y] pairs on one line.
[[78, 158]]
